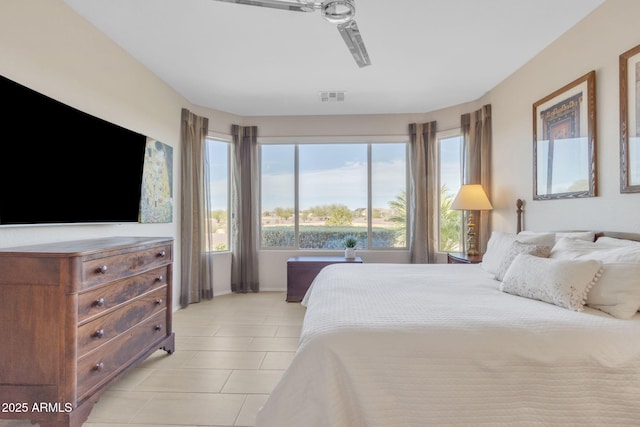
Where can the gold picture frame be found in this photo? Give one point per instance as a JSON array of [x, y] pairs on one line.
[[564, 142], [630, 121]]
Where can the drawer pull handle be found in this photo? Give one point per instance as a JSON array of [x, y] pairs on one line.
[[162, 254], [99, 333], [158, 301], [99, 302], [158, 327], [98, 366], [160, 278], [102, 269]]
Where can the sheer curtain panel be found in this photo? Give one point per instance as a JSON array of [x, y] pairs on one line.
[[423, 193], [196, 263], [477, 135], [244, 223]]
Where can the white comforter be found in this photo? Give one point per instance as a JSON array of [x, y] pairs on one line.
[[440, 345]]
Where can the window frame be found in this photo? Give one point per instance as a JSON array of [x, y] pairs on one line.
[[440, 135], [227, 140], [370, 141]]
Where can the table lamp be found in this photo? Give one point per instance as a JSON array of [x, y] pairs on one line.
[[471, 197]]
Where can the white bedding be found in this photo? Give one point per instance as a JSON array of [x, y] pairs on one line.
[[440, 345]]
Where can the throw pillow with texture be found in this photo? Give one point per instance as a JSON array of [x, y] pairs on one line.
[[516, 248], [565, 283], [500, 243]]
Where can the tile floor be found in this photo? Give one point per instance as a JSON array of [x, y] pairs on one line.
[[230, 353]]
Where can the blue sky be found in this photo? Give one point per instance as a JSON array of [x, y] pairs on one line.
[[331, 173]]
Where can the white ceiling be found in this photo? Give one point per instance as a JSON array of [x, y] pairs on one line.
[[253, 61]]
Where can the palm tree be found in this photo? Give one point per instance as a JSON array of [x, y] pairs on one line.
[[450, 222]]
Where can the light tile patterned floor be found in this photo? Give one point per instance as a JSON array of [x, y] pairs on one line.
[[230, 353]]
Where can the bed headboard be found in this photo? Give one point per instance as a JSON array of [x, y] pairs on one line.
[[615, 234]]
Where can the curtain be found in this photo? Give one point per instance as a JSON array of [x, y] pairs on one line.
[[476, 134], [423, 193], [197, 277], [244, 223]]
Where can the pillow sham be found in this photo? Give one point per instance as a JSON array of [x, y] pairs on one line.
[[564, 283], [500, 243], [617, 292]]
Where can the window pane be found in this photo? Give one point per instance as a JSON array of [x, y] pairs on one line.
[[332, 195], [278, 195], [218, 172], [450, 181], [388, 195]]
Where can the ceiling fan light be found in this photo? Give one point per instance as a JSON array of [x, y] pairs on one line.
[[338, 11]]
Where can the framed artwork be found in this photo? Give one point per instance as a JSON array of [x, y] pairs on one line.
[[630, 121], [564, 142], [156, 201]]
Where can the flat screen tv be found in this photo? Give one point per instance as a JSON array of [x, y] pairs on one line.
[[59, 165]]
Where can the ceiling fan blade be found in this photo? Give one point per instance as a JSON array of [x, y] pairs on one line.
[[294, 5], [351, 35]]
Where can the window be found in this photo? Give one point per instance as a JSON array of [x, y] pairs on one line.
[[450, 179], [314, 195], [217, 169]]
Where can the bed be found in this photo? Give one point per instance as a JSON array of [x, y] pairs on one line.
[[487, 344]]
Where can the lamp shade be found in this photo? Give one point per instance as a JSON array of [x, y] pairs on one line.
[[471, 197]]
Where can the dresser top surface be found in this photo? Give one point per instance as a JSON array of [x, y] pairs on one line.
[[83, 247]]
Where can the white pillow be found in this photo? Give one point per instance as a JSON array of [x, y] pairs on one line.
[[588, 236], [577, 249], [564, 283], [617, 292], [612, 241], [499, 245], [547, 238]]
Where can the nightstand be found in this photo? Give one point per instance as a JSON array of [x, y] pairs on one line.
[[463, 258], [301, 270]]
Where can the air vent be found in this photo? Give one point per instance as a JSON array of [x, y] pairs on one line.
[[332, 96]]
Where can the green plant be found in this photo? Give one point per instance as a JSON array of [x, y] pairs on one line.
[[350, 242]]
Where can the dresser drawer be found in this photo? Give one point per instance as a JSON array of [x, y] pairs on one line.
[[107, 269], [105, 328], [99, 365], [97, 301]]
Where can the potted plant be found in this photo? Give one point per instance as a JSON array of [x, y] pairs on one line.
[[350, 244]]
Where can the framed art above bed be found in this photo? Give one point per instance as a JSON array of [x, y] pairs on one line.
[[630, 121], [564, 142]]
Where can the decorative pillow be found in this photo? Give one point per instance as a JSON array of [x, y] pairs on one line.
[[500, 243], [564, 283], [617, 292], [517, 248]]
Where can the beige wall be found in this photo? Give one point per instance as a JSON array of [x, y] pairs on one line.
[[593, 44], [47, 46]]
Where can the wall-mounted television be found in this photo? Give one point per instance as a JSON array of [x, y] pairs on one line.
[[59, 165]]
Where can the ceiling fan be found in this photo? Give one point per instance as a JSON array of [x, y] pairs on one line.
[[339, 12]]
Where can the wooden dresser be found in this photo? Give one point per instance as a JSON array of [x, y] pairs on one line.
[[74, 317]]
